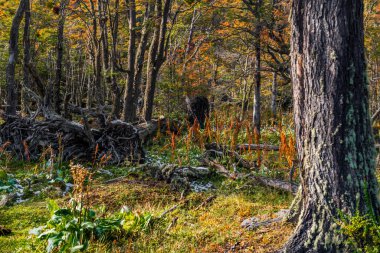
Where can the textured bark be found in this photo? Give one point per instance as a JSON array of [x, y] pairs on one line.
[[13, 55], [333, 125]]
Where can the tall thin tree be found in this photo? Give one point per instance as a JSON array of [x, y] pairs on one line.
[[60, 51], [11, 85], [26, 44], [156, 55]]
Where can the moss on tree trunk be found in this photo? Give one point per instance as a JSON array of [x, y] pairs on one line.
[[333, 130]]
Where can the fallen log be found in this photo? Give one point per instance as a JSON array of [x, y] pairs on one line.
[[180, 177], [276, 184], [213, 151], [243, 147], [264, 147], [254, 223], [220, 169]]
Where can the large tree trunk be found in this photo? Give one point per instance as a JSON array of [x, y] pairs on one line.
[[13, 55], [333, 125]]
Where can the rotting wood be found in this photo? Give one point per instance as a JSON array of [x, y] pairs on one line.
[[116, 143]]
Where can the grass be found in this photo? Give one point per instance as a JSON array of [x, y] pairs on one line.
[[214, 227], [193, 226], [21, 218]]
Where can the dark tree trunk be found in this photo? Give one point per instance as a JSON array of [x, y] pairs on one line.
[[257, 94], [13, 55], [156, 55], [26, 43], [129, 113], [140, 55], [333, 125], [58, 70], [97, 61], [255, 8], [114, 25], [107, 70]]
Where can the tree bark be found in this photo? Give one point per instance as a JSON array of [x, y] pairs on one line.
[[333, 125], [13, 55]]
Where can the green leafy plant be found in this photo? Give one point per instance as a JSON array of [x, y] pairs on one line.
[[72, 229], [363, 233], [8, 183]]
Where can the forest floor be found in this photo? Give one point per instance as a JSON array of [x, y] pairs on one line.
[[201, 222]]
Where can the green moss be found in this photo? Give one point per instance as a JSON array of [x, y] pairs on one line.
[[20, 219]]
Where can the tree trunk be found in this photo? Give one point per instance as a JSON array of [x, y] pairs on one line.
[[97, 61], [333, 125], [129, 113], [58, 70], [257, 95], [273, 104], [13, 55], [156, 55], [114, 25], [140, 55], [188, 48], [26, 42], [255, 8]]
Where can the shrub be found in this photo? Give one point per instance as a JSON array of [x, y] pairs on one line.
[[363, 233]]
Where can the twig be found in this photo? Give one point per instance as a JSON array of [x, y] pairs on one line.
[[208, 200], [168, 211]]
